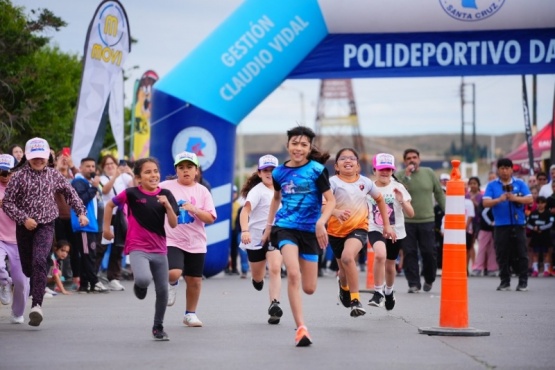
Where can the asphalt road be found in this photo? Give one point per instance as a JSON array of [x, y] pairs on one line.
[[112, 331]]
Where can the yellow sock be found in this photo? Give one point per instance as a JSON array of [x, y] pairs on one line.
[[345, 287], [355, 296]]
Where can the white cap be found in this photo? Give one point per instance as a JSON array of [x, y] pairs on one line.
[[444, 176], [37, 148], [267, 161], [6, 162]]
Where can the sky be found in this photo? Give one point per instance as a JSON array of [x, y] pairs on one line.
[[168, 30]]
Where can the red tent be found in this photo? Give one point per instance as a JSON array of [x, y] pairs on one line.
[[541, 146]]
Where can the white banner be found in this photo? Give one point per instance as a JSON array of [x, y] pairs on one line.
[[115, 111], [106, 48]]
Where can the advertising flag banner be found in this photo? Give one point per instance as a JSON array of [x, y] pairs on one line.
[[107, 45], [141, 114]]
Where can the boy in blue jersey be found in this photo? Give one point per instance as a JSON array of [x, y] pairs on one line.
[[299, 229], [506, 196]]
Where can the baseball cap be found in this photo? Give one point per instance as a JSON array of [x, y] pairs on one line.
[[444, 176], [37, 148], [383, 161], [267, 161], [186, 156], [6, 162]]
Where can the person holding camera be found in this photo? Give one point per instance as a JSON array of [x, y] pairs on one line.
[[506, 196], [423, 186]]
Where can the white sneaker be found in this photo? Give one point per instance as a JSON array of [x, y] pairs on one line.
[[116, 285], [172, 293], [99, 288], [47, 295], [6, 293], [48, 290], [192, 320], [17, 319], [35, 316]]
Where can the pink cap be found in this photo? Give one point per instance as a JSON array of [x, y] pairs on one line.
[[37, 148], [383, 161]]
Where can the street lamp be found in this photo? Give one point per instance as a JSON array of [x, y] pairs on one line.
[[301, 98]]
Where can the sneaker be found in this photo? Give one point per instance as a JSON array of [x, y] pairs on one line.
[[47, 295], [302, 338], [476, 273], [115, 285], [35, 316], [376, 300], [17, 319], [191, 319], [172, 293], [389, 301], [522, 287], [427, 287], [159, 334], [258, 285], [356, 308], [139, 292], [504, 287], [414, 289], [535, 274], [344, 295], [546, 274], [6, 294], [99, 288], [48, 290], [275, 312]]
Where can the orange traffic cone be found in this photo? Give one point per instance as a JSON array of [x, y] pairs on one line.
[[453, 313], [370, 268]]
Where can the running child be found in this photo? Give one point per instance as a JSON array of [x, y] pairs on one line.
[[30, 202], [258, 192], [148, 205], [386, 247], [348, 226], [187, 243], [299, 230]]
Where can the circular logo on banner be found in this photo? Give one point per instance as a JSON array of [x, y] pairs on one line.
[[199, 141], [471, 10]]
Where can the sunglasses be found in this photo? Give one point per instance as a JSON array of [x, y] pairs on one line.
[[4, 173]]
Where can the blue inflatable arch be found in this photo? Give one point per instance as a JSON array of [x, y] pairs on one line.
[[198, 105]]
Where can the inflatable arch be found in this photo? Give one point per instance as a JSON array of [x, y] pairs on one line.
[[198, 105]]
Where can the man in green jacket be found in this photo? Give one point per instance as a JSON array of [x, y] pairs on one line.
[[423, 186]]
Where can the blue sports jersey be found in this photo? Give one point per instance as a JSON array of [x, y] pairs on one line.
[[301, 195]]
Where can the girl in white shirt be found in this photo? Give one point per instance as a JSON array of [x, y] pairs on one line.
[[386, 250], [258, 192]]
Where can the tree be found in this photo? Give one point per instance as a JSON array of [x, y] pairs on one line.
[[23, 84]]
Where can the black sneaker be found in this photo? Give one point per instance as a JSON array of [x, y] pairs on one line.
[[139, 292], [389, 301], [275, 312], [376, 300], [504, 287], [158, 332], [258, 285], [356, 308], [522, 287], [427, 287], [344, 295]]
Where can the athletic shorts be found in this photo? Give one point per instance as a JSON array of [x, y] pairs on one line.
[[391, 249], [258, 255], [337, 244], [191, 264], [307, 243]]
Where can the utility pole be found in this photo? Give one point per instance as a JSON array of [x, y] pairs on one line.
[[468, 103]]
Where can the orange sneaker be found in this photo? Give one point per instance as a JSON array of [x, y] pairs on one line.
[[302, 338]]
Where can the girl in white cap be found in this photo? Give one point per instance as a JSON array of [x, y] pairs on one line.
[[348, 226], [258, 192], [386, 250], [30, 202]]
